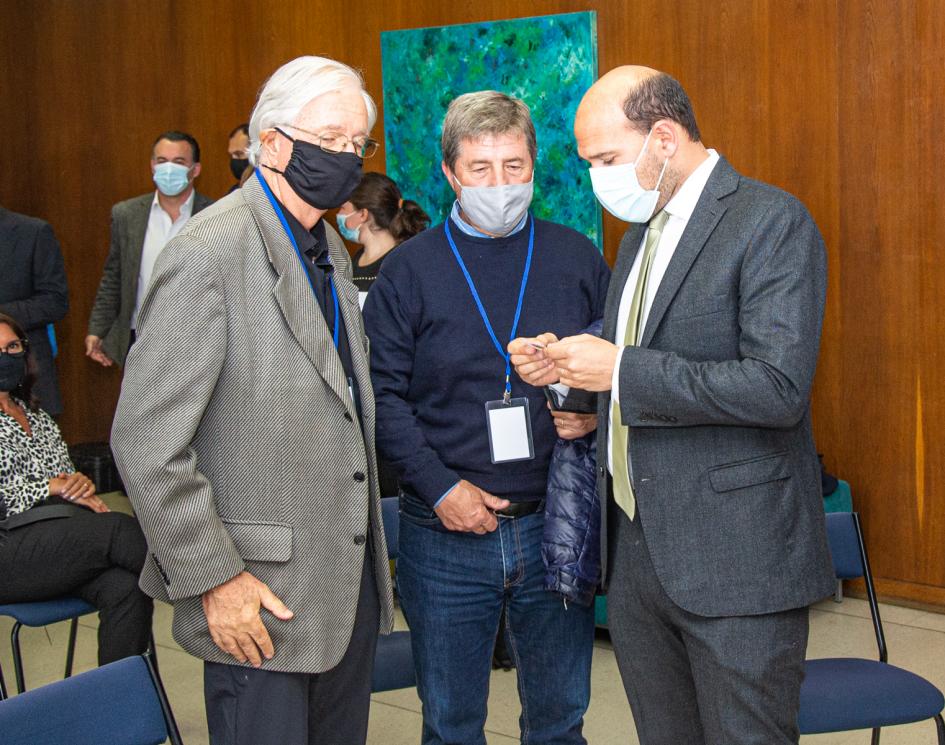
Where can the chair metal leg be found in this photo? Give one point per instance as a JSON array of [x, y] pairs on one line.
[[17, 658], [70, 652], [3, 686], [940, 729], [838, 593], [152, 653], [173, 731], [875, 740]]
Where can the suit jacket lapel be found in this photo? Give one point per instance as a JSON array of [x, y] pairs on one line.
[[293, 293], [626, 254], [709, 210], [137, 230]]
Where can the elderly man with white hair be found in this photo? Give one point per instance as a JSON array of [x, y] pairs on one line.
[[245, 431]]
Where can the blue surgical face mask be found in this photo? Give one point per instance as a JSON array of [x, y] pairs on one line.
[[618, 189], [171, 178], [349, 233]]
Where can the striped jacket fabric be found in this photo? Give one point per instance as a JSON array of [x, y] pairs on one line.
[[237, 439]]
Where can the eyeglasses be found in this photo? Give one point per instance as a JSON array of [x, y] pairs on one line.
[[15, 348], [332, 142]]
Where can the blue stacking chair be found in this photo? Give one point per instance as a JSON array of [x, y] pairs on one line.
[[393, 660], [842, 694], [41, 613], [122, 703]]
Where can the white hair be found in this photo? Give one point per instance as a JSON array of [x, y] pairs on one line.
[[292, 86]]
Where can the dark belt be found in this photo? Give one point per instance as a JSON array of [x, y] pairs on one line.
[[41, 512], [521, 509]]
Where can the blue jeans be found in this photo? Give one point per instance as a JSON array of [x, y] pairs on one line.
[[453, 588]]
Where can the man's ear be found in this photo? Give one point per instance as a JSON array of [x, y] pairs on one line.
[[450, 178], [268, 146], [196, 170], [666, 138]]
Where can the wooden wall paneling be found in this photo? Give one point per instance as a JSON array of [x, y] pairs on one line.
[[891, 232]]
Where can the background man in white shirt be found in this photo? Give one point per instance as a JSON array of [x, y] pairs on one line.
[[141, 227]]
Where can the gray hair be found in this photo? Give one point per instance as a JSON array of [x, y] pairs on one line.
[[474, 115], [292, 86]]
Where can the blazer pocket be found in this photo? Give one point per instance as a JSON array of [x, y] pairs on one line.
[[709, 306], [750, 472], [256, 541]]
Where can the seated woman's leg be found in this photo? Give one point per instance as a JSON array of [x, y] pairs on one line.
[[94, 556], [124, 619]]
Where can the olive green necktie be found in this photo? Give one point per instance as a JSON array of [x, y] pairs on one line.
[[623, 489]]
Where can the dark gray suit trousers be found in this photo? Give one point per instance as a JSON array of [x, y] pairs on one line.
[[695, 680], [247, 706]]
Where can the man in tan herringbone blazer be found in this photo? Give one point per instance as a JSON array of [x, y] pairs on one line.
[[245, 431]]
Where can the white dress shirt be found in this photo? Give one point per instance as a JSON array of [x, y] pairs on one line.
[[679, 209], [160, 230]]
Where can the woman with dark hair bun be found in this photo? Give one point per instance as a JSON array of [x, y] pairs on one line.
[[380, 219], [56, 536]]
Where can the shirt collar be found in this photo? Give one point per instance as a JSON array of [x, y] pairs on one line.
[[311, 243], [476, 233], [683, 203], [186, 209]]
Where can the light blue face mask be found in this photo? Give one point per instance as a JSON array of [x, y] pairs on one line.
[[349, 233], [171, 178]]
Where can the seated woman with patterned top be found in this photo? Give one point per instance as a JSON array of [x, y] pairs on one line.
[[56, 536]]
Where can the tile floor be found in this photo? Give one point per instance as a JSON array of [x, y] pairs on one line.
[[916, 640]]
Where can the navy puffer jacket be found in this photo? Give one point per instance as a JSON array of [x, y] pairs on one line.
[[570, 545]]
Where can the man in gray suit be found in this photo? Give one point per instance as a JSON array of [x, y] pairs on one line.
[[245, 431], [141, 227], [714, 529]]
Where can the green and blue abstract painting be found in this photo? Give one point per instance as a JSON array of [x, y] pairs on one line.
[[548, 62]]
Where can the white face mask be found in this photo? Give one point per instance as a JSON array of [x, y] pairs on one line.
[[618, 189], [495, 209]]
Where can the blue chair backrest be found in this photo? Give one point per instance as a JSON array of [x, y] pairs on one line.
[[844, 545], [390, 509], [115, 704]]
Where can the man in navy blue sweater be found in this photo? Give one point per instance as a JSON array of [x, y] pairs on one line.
[[471, 442]]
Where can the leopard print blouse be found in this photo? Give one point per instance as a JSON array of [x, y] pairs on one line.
[[27, 463]]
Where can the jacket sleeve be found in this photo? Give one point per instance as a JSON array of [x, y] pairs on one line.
[[782, 290], [108, 297], [49, 299], [400, 440], [169, 380]]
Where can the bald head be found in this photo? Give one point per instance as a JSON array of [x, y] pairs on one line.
[[612, 89]]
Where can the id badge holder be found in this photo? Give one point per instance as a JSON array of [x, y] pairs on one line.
[[510, 430]]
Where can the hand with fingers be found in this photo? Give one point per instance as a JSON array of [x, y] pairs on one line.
[[584, 361], [93, 350], [570, 425], [530, 361], [94, 503], [72, 487], [470, 509], [232, 611]]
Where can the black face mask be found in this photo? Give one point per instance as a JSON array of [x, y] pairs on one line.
[[12, 371], [237, 166], [324, 180]]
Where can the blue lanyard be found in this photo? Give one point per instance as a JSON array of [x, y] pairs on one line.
[[482, 311], [288, 231]]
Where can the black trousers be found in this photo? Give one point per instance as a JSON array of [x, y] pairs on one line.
[[247, 706], [693, 680], [96, 557]]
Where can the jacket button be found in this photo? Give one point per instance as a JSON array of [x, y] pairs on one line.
[[359, 540], [348, 417], [358, 476]]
